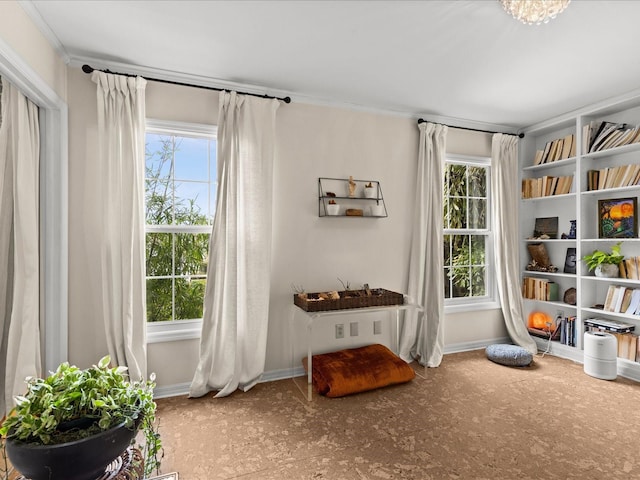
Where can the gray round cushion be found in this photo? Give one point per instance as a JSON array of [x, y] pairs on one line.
[[509, 355]]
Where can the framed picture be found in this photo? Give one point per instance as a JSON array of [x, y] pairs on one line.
[[546, 226], [570, 261], [617, 218]]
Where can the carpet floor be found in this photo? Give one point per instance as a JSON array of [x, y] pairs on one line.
[[468, 419]]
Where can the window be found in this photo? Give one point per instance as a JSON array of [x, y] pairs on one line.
[[467, 231], [180, 194]]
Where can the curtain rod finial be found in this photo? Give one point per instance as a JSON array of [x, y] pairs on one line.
[[86, 68], [286, 99]]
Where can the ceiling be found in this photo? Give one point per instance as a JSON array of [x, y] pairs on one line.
[[465, 60]]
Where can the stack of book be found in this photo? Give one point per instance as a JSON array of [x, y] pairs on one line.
[[630, 268], [613, 177], [621, 299], [540, 289], [557, 149], [546, 186], [566, 331], [602, 135], [628, 344]]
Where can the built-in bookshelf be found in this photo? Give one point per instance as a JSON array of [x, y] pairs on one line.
[[598, 149]]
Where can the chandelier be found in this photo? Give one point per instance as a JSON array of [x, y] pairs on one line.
[[534, 11]]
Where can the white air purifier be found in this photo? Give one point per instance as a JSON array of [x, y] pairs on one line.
[[600, 355]]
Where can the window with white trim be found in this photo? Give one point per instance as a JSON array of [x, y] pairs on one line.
[[180, 195], [468, 273]]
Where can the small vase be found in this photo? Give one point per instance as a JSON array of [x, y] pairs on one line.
[[377, 210], [370, 192], [333, 209], [607, 270]]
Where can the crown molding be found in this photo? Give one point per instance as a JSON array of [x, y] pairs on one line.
[[34, 14], [169, 75]]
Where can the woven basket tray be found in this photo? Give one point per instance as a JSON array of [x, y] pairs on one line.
[[349, 299]]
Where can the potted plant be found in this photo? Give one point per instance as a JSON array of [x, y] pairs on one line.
[[75, 422], [370, 191], [332, 208], [605, 264]]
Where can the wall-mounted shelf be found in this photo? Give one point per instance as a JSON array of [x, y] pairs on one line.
[[363, 196]]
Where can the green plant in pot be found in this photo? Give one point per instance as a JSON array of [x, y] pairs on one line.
[[75, 422], [605, 264]]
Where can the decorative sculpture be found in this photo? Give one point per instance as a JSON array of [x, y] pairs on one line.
[[352, 187]]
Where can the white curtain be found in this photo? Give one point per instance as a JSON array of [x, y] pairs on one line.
[[505, 195], [121, 157], [423, 332], [19, 244], [236, 304]]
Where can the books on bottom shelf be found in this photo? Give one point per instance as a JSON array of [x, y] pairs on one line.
[[568, 332], [621, 299], [564, 331], [628, 345]]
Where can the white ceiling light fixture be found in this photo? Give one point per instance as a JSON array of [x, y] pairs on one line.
[[535, 12]]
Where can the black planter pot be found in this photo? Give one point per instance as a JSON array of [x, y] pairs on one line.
[[84, 459]]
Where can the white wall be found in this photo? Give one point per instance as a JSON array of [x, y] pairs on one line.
[[19, 32], [313, 141]]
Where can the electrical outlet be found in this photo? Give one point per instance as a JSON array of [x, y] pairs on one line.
[[353, 329], [339, 330], [377, 327]]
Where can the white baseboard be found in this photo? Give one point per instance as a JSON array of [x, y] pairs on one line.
[[284, 373], [476, 345], [176, 390], [627, 369]]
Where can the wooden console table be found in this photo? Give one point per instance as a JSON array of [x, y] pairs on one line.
[[392, 310]]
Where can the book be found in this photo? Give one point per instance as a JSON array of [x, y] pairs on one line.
[[594, 129], [622, 269], [633, 346], [537, 159], [620, 291], [545, 153], [566, 146], [626, 300], [630, 268], [609, 325], [606, 129], [635, 302], [552, 151], [609, 298]]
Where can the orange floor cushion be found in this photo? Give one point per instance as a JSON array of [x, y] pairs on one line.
[[355, 370]]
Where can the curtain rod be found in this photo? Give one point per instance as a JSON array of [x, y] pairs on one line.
[[519, 135], [89, 69]]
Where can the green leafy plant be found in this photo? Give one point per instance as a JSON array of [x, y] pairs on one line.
[[100, 394], [598, 257]]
